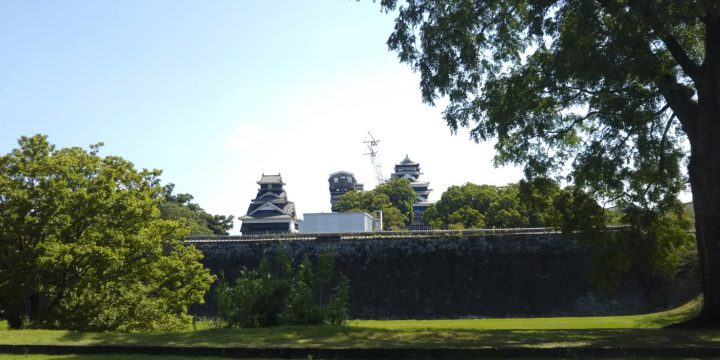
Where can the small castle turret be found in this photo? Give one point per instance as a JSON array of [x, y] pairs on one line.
[[341, 182]]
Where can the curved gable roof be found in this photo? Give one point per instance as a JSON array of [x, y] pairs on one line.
[[268, 206], [407, 161]]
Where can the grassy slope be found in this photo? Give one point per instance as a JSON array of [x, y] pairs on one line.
[[628, 331]]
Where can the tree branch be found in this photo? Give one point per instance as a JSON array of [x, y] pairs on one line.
[[575, 122], [664, 108], [688, 65], [663, 140], [691, 69], [679, 97]]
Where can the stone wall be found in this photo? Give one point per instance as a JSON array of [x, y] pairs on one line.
[[464, 277]]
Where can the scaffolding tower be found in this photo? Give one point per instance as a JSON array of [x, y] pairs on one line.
[[372, 146]]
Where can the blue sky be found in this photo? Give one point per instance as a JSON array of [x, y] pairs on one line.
[[215, 93]]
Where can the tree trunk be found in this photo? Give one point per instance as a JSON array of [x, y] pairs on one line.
[[704, 171], [15, 321], [34, 310], [705, 182]]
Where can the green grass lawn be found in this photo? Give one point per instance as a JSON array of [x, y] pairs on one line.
[[626, 331], [645, 321]]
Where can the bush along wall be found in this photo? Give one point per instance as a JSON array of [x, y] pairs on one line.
[[280, 293]]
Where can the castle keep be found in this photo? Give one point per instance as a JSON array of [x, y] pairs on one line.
[[270, 212], [408, 169]]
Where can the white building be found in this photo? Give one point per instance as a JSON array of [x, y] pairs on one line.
[[350, 222]]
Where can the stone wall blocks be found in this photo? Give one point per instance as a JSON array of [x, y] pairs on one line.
[[444, 277]]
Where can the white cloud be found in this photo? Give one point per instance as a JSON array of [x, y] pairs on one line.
[[321, 130]]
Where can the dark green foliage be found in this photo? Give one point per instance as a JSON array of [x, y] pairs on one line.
[[400, 194], [582, 217], [337, 309], [656, 241], [395, 198], [256, 300], [613, 91], [301, 306], [466, 218], [579, 212], [287, 296], [82, 244], [179, 207], [538, 195], [473, 206], [648, 240]]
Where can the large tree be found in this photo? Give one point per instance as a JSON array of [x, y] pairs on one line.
[[400, 194], [395, 198], [82, 245], [624, 91], [475, 206], [180, 207], [369, 201]]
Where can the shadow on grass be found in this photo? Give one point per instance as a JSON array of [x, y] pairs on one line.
[[102, 357], [357, 337], [377, 337], [674, 316]]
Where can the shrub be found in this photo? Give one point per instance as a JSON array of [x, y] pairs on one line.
[[285, 295]]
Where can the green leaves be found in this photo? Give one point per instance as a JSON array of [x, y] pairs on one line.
[[476, 206], [285, 295], [650, 240], [82, 235], [466, 218], [607, 94], [560, 82], [395, 198], [179, 207], [400, 194]]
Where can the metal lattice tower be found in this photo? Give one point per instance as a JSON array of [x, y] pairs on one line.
[[372, 146]]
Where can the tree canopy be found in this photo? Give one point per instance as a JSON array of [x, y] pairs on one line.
[[537, 203], [614, 91], [179, 207], [395, 198], [477, 206], [82, 245]]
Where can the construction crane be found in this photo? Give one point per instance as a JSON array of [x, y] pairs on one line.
[[372, 146]]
